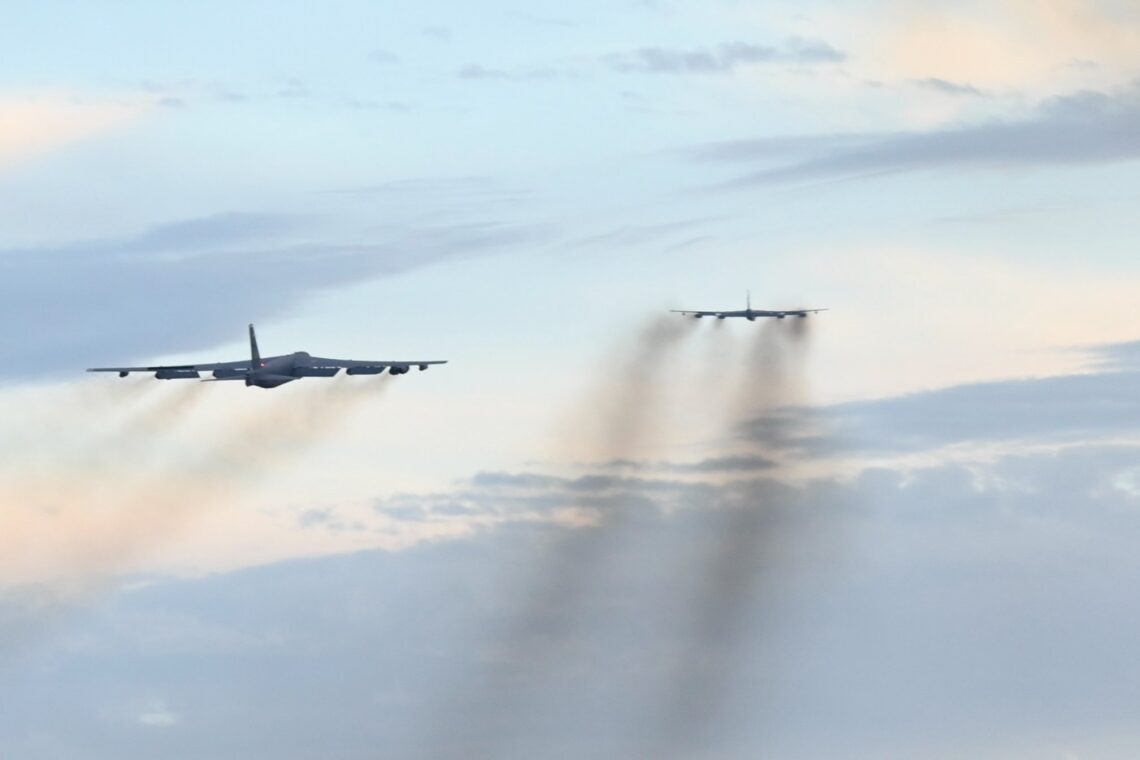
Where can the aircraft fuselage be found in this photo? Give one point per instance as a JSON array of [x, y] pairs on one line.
[[276, 370]]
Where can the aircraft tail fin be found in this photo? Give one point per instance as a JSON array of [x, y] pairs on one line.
[[254, 354], [748, 300]]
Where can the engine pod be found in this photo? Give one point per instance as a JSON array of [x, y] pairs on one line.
[[176, 374], [317, 371]]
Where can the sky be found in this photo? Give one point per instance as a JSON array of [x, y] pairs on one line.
[[902, 528]]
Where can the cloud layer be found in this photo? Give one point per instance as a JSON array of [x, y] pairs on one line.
[[185, 285], [1083, 128]]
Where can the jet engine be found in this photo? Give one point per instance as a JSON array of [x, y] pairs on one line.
[[176, 374]]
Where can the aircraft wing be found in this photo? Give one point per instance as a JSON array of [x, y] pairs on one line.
[[364, 366], [801, 312], [239, 365], [697, 313]]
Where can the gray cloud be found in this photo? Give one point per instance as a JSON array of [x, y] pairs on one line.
[[478, 72], [186, 285], [632, 235], [948, 88], [1114, 356], [722, 59], [743, 463], [384, 57], [1082, 128], [1051, 409], [436, 32], [988, 611]]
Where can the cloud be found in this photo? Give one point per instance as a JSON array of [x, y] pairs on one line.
[[435, 32], [478, 72], [39, 123], [632, 235], [1078, 129], [945, 607], [948, 88], [1115, 356], [1001, 44], [384, 57], [117, 300], [741, 463], [722, 59], [158, 716], [1067, 408]]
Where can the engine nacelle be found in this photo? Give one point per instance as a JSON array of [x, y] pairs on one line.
[[176, 374], [228, 372], [315, 371], [399, 369], [366, 370]]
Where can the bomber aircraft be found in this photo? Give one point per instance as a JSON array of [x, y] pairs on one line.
[[749, 313], [272, 371]]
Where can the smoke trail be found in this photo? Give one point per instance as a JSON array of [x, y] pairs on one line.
[[622, 420], [627, 418], [270, 433], [755, 532], [75, 518], [100, 478]]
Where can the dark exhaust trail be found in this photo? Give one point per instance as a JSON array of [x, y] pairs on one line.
[[754, 537], [624, 419], [629, 420]]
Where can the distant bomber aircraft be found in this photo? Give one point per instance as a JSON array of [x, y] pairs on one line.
[[749, 313], [273, 371]]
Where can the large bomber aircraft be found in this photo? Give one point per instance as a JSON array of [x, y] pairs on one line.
[[749, 313], [272, 371]]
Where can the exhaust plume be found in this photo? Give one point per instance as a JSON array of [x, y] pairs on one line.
[[80, 507], [755, 533], [623, 419]]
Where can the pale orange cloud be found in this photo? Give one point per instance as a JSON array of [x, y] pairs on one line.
[[1009, 44], [32, 125]]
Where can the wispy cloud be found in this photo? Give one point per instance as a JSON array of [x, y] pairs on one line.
[[1066, 408], [1081, 128], [948, 88], [479, 72], [722, 59], [37, 123], [384, 57], [106, 294]]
